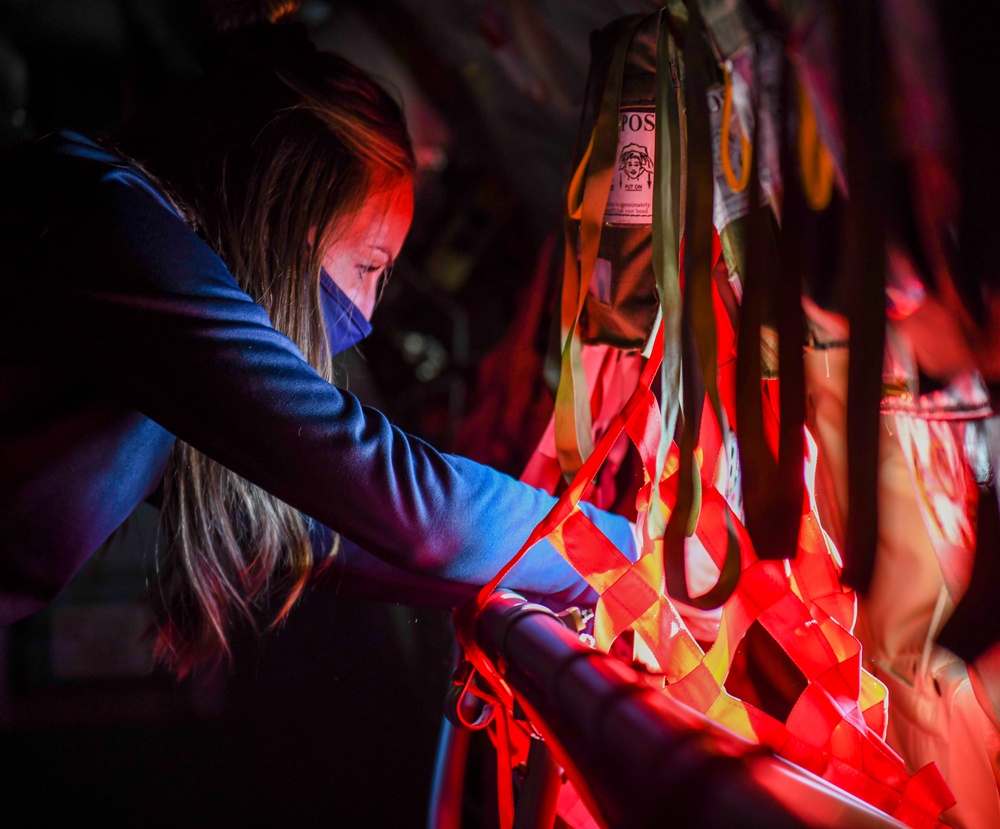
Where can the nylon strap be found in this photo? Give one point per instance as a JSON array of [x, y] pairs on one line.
[[587, 200], [756, 462], [773, 486], [667, 187], [863, 275], [789, 487], [699, 352]]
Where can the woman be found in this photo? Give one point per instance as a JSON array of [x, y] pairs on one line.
[[171, 300]]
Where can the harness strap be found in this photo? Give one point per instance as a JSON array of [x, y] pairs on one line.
[[587, 200]]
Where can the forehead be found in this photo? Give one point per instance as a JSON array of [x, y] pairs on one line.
[[383, 221]]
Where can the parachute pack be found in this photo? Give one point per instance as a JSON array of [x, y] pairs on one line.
[[712, 171]]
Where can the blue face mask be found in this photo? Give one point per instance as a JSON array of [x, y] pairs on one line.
[[346, 326]]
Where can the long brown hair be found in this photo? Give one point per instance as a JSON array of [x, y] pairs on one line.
[[278, 142]]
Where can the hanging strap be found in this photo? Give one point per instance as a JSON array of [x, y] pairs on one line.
[[667, 188], [773, 494], [737, 185], [587, 200], [789, 485], [862, 273], [698, 335]]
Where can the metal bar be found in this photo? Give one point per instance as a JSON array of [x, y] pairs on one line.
[[536, 802], [650, 761], [445, 808]]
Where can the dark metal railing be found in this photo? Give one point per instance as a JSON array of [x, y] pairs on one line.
[[647, 760]]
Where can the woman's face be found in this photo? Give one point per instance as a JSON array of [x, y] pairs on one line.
[[365, 250]]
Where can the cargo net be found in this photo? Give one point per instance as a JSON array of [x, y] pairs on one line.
[[835, 727]]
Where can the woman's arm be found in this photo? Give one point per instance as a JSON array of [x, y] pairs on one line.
[[169, 331]]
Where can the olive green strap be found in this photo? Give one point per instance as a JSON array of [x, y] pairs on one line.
[[586, 202], [698, 334], [666, 243]]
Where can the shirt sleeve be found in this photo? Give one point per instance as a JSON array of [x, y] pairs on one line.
[[166, 327]]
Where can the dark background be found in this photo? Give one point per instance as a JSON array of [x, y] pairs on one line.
[[331, 720]]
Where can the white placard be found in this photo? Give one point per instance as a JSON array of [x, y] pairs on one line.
[[630, 201]]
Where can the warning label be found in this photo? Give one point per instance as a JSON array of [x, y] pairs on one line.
[[630, 201]]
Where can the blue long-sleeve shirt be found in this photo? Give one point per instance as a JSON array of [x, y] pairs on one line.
[[121, 329]]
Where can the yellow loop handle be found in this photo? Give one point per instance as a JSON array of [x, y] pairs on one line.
[[815, 161], [746, 148]]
